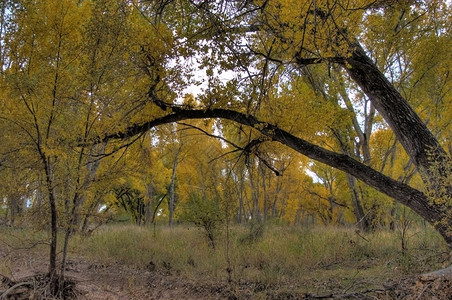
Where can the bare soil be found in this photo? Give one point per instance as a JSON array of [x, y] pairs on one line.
[[89, 280]]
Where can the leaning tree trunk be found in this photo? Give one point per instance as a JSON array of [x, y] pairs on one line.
[[430, 158], [419, 142]]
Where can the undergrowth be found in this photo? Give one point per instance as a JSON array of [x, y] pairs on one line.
[[282, 256]]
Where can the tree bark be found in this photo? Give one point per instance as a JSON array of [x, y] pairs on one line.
[[53, 222], [275, 199], [239, 189], [255, 212], [419, 142]]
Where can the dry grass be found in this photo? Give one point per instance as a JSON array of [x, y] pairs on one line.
[[284, 257]]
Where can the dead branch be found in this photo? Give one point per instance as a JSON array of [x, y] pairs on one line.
[[444, 273], [11, 289], [355, 295]]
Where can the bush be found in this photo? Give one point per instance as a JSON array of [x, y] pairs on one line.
[[205, 214]]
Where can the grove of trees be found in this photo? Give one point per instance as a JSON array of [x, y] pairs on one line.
[[299, 112]]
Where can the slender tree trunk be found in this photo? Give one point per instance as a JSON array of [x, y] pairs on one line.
[[264, 191], [150, 194], [70, 228], [239, 185], [53, 223], [84, 226], [172, 195], [203, 184], [239, 190], [82, 182], [361, 219], [275, 200], [13, 205], [89, 212], [147, 213], [256, 214], [54, 234], [358, 210]]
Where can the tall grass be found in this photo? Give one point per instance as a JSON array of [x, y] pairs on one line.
[[284, 256]]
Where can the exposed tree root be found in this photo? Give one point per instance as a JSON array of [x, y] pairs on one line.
[[37, 287], [14, 290]]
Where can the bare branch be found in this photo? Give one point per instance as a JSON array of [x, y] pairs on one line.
[[245, 150]]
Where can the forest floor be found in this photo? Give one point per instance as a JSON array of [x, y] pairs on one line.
[[115, 281], [129, 262]]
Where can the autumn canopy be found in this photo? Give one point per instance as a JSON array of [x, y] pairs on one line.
[[131, 104]]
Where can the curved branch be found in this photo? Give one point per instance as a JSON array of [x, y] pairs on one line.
[[401, 192]]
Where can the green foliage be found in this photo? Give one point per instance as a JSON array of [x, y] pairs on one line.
[[255, 232], [206, 214]]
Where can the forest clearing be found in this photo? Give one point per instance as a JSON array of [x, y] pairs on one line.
[[282, 262], [274, 149]]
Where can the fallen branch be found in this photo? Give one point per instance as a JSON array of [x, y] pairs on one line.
[[444, 273], [11, 289], [358, 295]]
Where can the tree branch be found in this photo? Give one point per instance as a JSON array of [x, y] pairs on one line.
[[247, 149], [403, 193]]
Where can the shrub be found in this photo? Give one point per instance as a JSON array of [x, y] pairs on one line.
[[205, 214]]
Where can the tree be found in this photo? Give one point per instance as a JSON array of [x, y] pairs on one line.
[[288, 40], [113, 70], [67, 68]]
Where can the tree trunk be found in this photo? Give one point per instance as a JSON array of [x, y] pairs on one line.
[[239, 186], [361, 219], [275, 200], [255, 213], [14, 208], [53, 223], [425, 151], [419, 142], [203, 184], [89, 212], [347, 148], [172, 195], [264, 191]]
